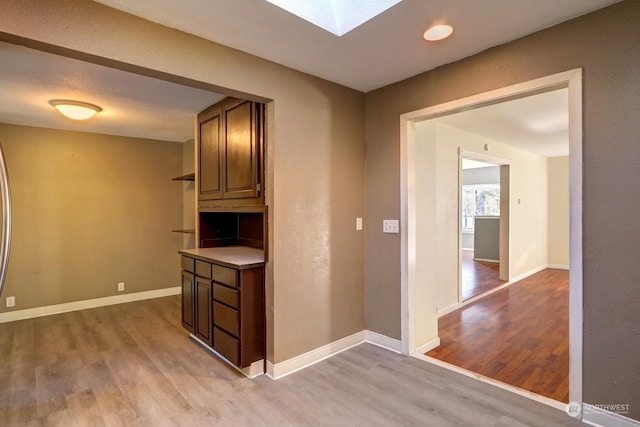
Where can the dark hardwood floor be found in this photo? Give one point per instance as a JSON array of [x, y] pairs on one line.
[[478, 276], [519, 335], [133, 365]]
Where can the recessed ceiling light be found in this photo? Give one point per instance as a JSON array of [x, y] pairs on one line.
[[75, 110], [438, 32]]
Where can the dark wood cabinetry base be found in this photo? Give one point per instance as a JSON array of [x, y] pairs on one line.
[[223, 308]]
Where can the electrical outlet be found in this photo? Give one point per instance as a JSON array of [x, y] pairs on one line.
[[391, 226], [11, 301], [121, 287]]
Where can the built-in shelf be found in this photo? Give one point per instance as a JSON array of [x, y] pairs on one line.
[[187, 177], [187, 231]]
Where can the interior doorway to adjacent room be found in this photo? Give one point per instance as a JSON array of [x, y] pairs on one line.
[[484, 210], [426, 212]]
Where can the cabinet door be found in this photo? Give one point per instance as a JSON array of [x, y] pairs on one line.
[[210, 155], [242, 137], [203, 318], [188, 284]]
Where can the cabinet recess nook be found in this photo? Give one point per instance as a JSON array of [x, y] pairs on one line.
[[223, 303]]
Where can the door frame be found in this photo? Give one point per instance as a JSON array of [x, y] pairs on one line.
[[505, 215], [417, 295]]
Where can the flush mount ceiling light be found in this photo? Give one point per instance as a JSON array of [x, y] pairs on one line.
[[336, 16], [75, 110], [438, 32]]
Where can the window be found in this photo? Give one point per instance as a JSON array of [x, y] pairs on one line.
[[479, 200]]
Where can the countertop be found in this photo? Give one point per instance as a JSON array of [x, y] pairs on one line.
[[239, 257]]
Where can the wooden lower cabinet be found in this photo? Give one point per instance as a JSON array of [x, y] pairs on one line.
[[227, 345], [188, 287], [224, 308], [203, 311]]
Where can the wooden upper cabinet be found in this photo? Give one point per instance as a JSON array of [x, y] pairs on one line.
[[210, 155], [242, 150], [230, 142]]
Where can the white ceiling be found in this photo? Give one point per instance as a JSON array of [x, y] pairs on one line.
[[384, 50], [132, 105], [538, 123]]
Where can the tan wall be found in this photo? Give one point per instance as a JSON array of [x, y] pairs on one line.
[[316, 255], [528, 183], [610, 59], [90, 211], [558, 190], [188, 194]]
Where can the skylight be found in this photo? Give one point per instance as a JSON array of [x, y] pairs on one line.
[[336, 16]]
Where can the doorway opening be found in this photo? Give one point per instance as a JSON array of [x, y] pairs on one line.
[[484, 224], [423, 218]]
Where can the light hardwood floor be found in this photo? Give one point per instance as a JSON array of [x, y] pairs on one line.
[[133, 364]]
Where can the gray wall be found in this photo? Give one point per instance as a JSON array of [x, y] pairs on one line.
[[610, 58]]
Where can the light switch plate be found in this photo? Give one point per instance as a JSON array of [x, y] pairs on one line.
[[391, 226], [358, 224]]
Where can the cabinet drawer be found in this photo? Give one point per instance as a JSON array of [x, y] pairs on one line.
[[203, 269], [188, 264], [226, 318], [226, 295], [226, 345], [227, 276]]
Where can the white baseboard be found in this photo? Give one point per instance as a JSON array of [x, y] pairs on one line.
[[558, 266], [428, 346], [485, 294], [270, 370], [282, 369], [528, 273], [383, 341], [487, 260], [30, 313], [449, 309], [601, 418]]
